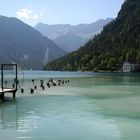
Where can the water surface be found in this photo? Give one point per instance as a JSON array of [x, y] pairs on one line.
[[99, 106]]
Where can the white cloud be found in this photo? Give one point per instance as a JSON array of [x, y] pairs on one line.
[[41, 14], [35, 16], [42, 11], [27, 14]]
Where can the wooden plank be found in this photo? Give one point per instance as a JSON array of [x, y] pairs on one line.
[[10, 90], [7, 90]]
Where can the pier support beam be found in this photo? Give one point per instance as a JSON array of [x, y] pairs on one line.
[[2, 96], [14, 95]]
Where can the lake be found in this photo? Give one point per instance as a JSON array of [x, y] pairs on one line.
[[92, 106]]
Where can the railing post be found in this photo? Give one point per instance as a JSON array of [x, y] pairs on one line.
[[2, 77], [16, 77]]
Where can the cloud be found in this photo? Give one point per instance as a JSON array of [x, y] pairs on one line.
[[27, 14], [35, 16], [41, 14], [42, 11]]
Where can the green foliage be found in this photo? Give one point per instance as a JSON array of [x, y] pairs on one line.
[[118, 42]]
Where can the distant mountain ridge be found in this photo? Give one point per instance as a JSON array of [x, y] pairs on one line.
[[118, 42], [22, 44], [70, 37]]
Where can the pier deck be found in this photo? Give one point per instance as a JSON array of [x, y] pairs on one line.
[[7, 90], [5, 68]]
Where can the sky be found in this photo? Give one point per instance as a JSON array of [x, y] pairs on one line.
[[60, 11]]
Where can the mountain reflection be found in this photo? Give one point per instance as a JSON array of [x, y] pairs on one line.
[[9, 115]]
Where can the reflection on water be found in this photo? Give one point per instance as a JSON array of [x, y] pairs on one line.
[[7, 120], [55, 117], [99, 107]]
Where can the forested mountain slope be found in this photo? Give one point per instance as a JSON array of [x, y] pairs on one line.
[[119, 41]]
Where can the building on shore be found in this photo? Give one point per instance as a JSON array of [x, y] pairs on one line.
[[130, 67]]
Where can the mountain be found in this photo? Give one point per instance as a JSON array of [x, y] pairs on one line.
[[119, 41], [22, 44], [70, 37]]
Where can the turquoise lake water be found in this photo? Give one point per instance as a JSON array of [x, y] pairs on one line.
[[93, 106]]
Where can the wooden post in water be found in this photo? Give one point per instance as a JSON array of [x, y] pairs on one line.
[[2, 96], [14, 94]]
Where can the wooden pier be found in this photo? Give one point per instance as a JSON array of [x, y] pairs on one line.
[[10, 90], [3, 91]]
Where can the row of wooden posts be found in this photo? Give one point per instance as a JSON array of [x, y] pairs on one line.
[[42, 85]]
